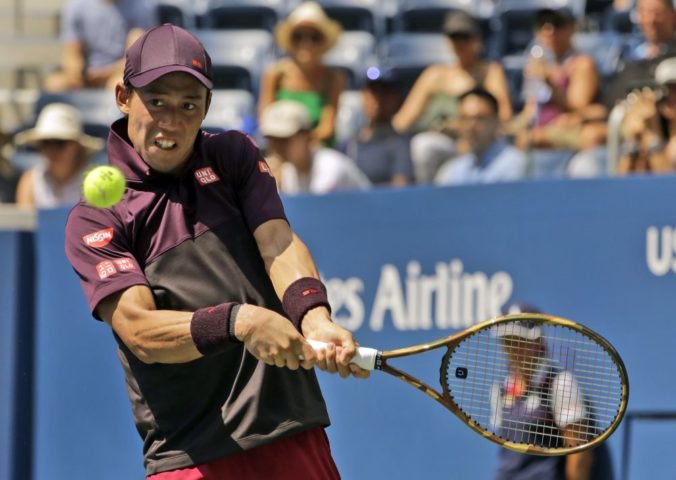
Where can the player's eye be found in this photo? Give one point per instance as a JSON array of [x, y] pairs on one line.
[[189, 106], [156, 102]]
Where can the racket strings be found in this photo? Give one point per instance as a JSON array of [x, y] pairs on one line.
[[548, 386]]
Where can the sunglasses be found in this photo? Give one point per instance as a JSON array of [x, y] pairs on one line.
[[460, 37], [312, 37], [53, 143]]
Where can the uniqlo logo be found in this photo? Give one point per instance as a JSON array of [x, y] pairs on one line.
[[98, 239], [124, 264], [106, 269], [206, 175]]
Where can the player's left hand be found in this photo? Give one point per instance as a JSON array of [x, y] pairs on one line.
[[336, 357]]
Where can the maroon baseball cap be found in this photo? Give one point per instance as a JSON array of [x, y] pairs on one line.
[[166, 49]]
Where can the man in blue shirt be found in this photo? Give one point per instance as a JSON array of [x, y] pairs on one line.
[[489, 156], [95, 35]]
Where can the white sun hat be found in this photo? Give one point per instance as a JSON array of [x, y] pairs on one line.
[[59, 121]]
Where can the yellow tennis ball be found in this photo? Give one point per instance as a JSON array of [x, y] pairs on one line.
[[103, 186]]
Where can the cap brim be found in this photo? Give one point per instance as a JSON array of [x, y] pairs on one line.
[[513, 330], [143, 79], [282, 130]]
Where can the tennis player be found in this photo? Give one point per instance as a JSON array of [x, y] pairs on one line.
[[208, 291], [536, 398]]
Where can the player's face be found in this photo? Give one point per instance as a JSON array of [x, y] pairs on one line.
[[522, 354], [479, 123], [164, 119]]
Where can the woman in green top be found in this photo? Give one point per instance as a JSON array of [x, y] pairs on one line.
[[302, 76]]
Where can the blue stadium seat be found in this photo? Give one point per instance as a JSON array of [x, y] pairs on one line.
[[177, 12], [238, 56], [242, 14], [230, 109], [408, 54], [605, 47], [355, 15], [352, 52], [429, 15]]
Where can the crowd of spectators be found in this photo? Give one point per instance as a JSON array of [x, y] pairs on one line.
[[471, 120]]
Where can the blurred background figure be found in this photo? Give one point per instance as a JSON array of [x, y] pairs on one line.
[[431, 106], [382, 153], [302, 76], [9, 175], [649, 126], [65, 150], [654, 42], [560, 88], [488, 156], [293, 159], [533, 374], [95, 35]]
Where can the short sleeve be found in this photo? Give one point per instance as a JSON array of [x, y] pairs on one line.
[[568, 404], [256, 187], [100, 254], [69, 23]]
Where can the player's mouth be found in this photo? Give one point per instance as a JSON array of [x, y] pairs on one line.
[[164, 144]]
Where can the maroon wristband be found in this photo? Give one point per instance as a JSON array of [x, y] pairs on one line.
[[302, 296], [212, 328]]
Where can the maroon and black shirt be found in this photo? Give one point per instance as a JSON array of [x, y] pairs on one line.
[[188, 237]]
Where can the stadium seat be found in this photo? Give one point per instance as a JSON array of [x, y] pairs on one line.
[[97, 107], [513, 26], [408, 54], [238, 56], [355, 15], [350, 116], [178, 12], [243, 14], [605, 47], [429, 15], [230, 109], [352, 52]]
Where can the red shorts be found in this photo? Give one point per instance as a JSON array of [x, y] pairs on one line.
[[305, 455]]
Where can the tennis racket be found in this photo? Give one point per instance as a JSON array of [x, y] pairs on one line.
[[532, 383]]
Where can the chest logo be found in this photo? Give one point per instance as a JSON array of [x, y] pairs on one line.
[[98, 239], [206, 175]]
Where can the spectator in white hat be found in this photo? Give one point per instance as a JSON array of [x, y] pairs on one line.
[[65, 149], [296, 164], [306, 35], [649, 126]]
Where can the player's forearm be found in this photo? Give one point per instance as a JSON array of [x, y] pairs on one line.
[[578, 466], [285, 255], [159, 336]]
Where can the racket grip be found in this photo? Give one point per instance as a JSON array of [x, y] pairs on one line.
[[364, 358]]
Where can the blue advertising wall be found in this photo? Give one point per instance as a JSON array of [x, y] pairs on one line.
[[403, 267]]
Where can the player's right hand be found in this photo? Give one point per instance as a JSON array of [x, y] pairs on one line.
[[272, 338]]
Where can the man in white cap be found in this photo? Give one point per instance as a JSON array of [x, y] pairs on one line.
[[296, 165]]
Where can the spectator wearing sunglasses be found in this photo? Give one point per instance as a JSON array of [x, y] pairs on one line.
[[65, 149], [431, 108], [302, 76]]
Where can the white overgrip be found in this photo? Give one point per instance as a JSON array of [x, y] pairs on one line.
[[364, 358]]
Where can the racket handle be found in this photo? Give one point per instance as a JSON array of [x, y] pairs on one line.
[[364, 358]]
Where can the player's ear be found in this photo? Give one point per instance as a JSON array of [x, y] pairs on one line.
[[207, 103], [122, 97]]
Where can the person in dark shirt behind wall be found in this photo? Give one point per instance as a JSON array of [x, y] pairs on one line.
[[209, 292]]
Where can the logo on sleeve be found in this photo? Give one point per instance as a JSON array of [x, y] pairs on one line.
[[206, 175], [108, 268], [98, 239]]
